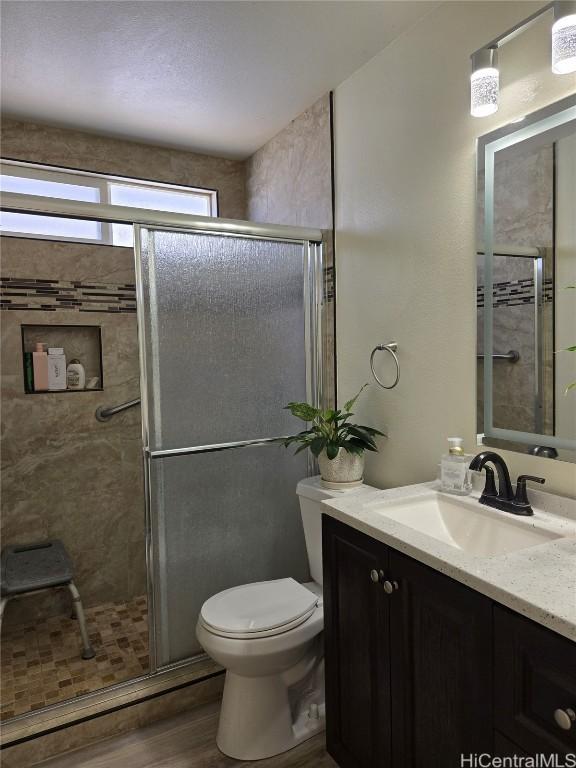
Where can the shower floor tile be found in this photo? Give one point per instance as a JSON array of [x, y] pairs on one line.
[[41, 664]]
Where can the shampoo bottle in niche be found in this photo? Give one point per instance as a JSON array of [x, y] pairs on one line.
[[28, 372], [75, 375], [56, 369], [40, 366], [454, 471]]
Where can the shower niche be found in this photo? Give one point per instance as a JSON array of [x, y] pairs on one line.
[[79, 342]]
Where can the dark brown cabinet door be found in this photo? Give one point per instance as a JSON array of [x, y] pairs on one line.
[[535, 685], [503, 747], [441, 670], [357, 649]]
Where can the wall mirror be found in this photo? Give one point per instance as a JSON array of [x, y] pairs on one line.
[[526, 289]]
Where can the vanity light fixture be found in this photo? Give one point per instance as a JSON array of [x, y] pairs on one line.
[[484, 83], [484, 80], [564, 38]]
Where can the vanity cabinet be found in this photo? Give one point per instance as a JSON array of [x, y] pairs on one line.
[[420, 668], [535, 685], [441, 667], [357, 647], [408, 658]]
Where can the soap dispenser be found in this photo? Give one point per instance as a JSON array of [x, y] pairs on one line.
[[454, 469]]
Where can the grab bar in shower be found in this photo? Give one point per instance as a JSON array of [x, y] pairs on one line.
[[513, 356], [104, 413]]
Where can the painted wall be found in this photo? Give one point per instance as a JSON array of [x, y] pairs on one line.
[[405, 228], [37, 143], [289, 181]]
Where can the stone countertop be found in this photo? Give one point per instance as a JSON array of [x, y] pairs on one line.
[[538, 582]]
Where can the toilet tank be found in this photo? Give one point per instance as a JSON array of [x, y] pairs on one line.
[[312, 493]]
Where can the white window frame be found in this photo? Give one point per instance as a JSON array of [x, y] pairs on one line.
[[98, 181]]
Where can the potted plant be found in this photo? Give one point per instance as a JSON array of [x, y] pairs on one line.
[[338, 444]]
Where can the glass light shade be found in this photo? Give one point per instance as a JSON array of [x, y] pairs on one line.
[[484, 87], [564, 45]]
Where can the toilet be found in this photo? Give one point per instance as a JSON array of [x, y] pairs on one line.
[[268, 637]]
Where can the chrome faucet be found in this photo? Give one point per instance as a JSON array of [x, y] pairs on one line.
[[503, 498]]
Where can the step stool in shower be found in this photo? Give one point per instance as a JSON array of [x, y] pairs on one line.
[[28, 568]]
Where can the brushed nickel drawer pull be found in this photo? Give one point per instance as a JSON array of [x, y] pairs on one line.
[[564, 718], [390, 586]]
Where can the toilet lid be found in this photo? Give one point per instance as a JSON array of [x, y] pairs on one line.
[[259, 607]]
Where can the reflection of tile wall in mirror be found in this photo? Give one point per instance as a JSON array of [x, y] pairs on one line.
[[565, 298], [524, 197], [523, 218]]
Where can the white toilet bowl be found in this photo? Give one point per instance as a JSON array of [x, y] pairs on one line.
[[268, 636], [274, 691]]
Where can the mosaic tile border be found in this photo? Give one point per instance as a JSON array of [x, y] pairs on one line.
[[329, 283], [52, 295], [514, 293], [25, 293]]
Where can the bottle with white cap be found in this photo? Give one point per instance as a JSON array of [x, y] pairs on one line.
[[454, 469]]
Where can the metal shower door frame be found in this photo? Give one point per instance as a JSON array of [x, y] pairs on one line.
[[141, 218], [312, 287]]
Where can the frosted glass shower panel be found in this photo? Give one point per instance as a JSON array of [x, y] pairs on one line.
[[225, 336], [220, 519]]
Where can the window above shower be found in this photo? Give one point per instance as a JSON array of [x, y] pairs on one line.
[[67, 184]]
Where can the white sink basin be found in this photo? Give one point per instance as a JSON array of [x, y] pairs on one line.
[[464, 523]]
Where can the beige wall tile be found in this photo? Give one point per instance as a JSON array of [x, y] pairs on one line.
[[39, 143], [289, 181]]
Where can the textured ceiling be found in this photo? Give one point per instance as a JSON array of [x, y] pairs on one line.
[[217, 77]]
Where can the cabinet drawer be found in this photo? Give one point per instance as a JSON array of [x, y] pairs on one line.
[[535, 684]]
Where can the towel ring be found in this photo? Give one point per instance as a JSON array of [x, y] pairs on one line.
[[391, 347]]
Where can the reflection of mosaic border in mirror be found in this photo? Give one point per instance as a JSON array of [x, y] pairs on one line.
[[42, 665], [514, 293], [51, 295]]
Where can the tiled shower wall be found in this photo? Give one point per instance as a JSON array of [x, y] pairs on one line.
[[37, 143], [64, 474], [289, 181]]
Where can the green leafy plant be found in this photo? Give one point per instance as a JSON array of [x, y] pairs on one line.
[[330, 430]]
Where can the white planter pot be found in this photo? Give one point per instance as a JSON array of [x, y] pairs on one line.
[[346, 468]]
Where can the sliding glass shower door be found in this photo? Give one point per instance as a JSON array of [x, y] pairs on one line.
[[228, 336]]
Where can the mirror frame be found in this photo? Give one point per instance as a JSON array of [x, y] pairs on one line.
[[553, 116]]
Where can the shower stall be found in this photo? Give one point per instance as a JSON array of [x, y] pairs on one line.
[[229, 331], [228, 335]]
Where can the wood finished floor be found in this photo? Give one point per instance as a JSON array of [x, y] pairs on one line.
[[185, 741]]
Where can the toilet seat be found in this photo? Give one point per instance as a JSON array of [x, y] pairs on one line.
[[262, 609]]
